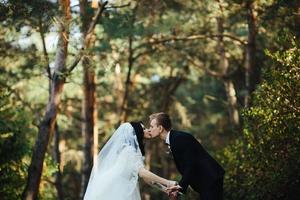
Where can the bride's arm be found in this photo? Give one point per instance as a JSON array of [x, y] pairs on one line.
[[149, 177]]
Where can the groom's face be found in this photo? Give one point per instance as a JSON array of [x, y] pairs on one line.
[[154, 129]]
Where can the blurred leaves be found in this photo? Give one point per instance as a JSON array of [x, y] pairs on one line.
[[264, 162], [15, 132]]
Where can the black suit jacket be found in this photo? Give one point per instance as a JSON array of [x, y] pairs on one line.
[[197, 167]]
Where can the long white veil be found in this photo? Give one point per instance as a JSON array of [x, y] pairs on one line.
[[115, 174]]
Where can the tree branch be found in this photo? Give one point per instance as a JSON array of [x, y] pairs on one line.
[[143, 53], [191, 37], [208, 71], [46, 56], [121, 6], [88, 37], [212, 72]]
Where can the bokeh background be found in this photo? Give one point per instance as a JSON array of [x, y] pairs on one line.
[[227, 71]]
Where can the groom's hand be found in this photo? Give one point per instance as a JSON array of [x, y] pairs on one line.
[[173, 191], [173, 188], [173, 195]]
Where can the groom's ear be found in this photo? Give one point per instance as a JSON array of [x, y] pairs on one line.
[[161, 128]]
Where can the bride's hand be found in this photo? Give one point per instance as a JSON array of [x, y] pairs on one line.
[[171, 183]]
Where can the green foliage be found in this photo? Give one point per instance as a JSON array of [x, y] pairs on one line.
[[121, 22], [26, 12], [264, 163], [14, 131], [16, 142]]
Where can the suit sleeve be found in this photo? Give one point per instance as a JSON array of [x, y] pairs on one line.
[[188, 171]]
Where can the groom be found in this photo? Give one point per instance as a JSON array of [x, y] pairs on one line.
[[197, 167]]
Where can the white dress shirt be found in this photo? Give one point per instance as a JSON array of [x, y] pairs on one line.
[[168, 139]]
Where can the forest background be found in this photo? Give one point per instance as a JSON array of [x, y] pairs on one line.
[[227, 71]]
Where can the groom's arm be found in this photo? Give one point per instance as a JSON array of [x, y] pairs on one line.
[[188, 170], [185, 180]]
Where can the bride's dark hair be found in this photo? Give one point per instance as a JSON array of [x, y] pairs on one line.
[[139, 131]]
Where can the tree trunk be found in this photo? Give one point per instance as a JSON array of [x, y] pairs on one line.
[[228, 83], [232, 102], [118, 86], [89, 108], [166, 102], [47, 125], [148, 156], [56, 155], [251, 71], [124, 106], [89, 125], [56, 152], [170, 90]]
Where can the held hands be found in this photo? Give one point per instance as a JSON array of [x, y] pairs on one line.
[[173, 190], [171, 183]]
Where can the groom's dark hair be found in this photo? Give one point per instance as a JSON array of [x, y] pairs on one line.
[[162, 119]]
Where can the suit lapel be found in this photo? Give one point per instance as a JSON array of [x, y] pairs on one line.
[[171, 137]]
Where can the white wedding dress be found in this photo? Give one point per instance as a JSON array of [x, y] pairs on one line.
[[115, 174]]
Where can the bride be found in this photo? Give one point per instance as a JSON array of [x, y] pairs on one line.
[[119, 164]]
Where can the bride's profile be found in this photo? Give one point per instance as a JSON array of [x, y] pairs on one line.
[[119, 164]]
